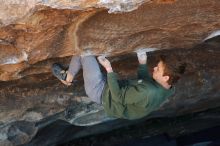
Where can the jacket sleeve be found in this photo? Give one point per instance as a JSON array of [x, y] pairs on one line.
[[143, 72], [112, 79]]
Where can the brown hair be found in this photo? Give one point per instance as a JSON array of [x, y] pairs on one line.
[[172, 69]]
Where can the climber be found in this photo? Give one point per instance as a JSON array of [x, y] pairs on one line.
[[127, 99]]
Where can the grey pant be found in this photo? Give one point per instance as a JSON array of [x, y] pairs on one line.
[[94, 81]]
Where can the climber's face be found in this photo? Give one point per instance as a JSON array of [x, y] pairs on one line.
[[158, 73]]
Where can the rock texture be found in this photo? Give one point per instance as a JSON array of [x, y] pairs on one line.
[[19, 9], [51, 33], [44, 32]]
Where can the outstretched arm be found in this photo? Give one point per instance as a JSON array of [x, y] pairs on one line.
[[112, 79], [142, 69]]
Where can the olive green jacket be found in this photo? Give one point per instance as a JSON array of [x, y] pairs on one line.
[[133, 99]]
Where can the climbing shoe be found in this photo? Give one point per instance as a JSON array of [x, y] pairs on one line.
[[59, 71]]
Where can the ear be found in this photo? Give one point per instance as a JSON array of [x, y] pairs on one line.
[[166, 78]]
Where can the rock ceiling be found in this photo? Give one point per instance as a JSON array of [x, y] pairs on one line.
[[48, 32], [36, 33]]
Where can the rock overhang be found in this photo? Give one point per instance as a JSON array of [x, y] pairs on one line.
[[29, 47], [55, 32]]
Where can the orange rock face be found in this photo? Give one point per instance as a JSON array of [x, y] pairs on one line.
[[50, 33]]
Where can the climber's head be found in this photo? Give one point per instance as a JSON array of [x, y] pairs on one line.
[[166, 73]]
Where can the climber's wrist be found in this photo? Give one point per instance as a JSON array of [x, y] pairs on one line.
[[109, 69], [143, 62]]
